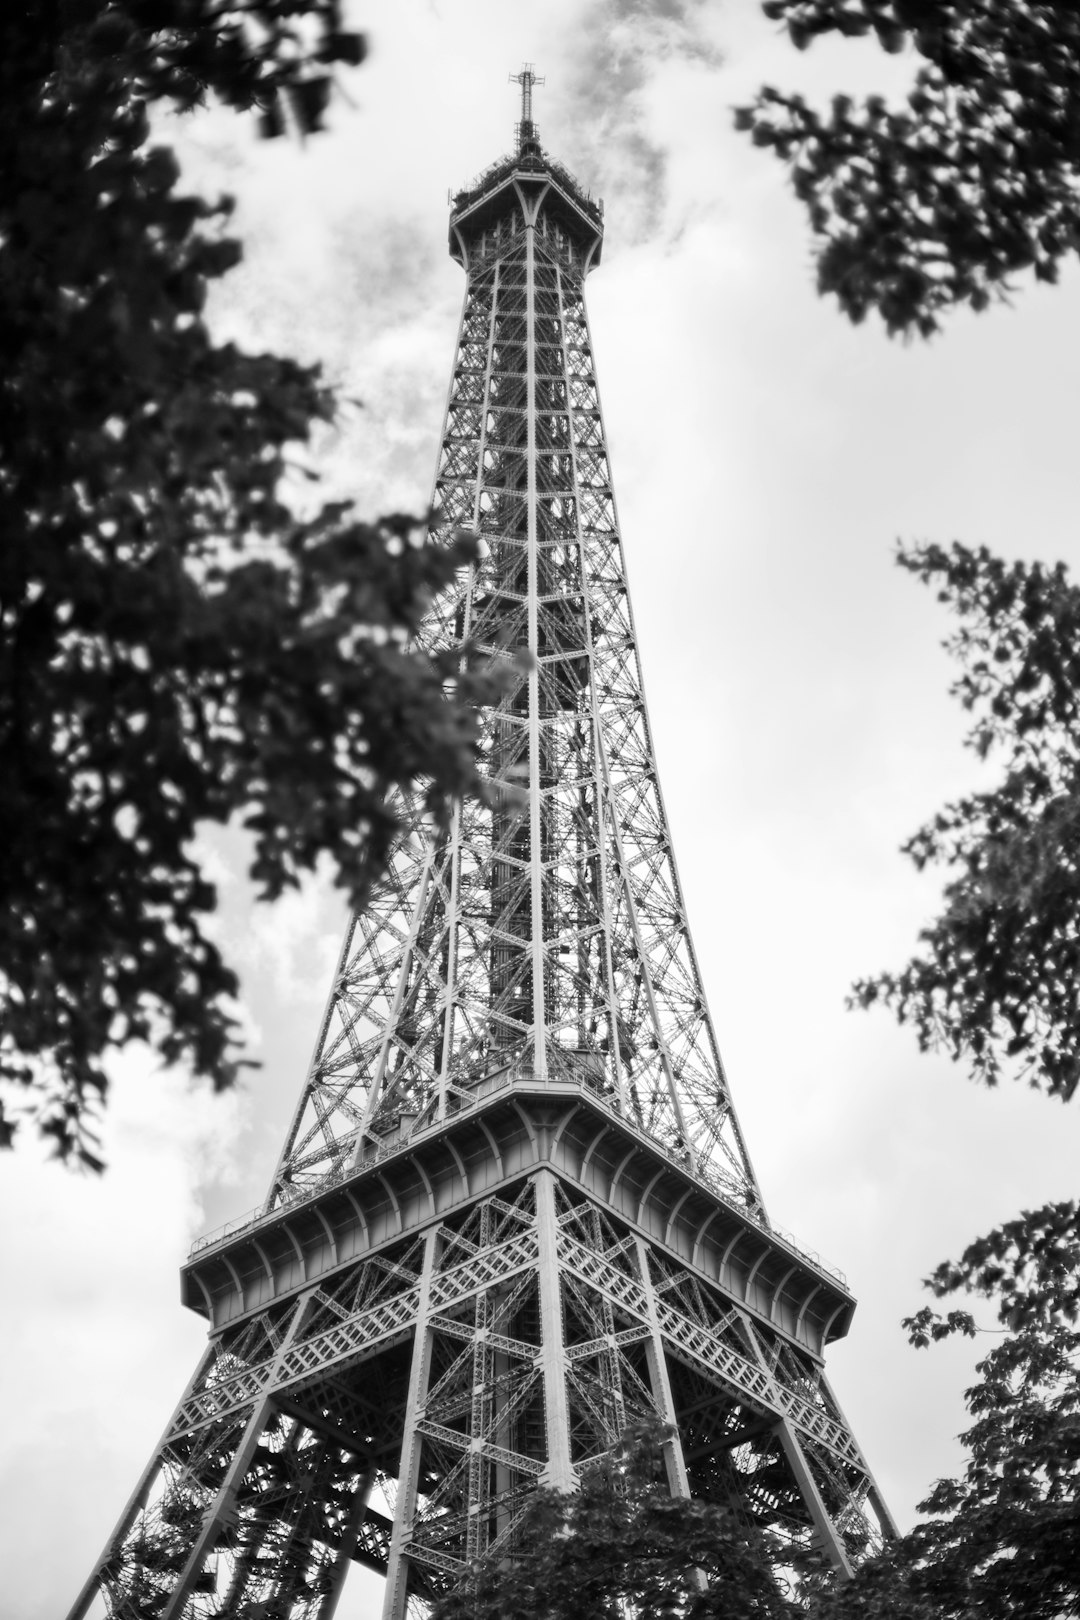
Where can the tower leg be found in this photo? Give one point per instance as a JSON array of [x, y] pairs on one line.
[[823, 1524], [225, 1500], [889, 1527], [137, 1498], [397, 1567], [560, 1470], [348, 1547], [223, 1503], [678, 1482], [800, 1468]]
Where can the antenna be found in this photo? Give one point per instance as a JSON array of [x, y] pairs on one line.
[[526, 130]]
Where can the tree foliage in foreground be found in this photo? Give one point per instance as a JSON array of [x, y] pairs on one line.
[[997, 981], [999, 1542], [937, 201], [1002, 1541], [175, 645], [998, 984], [621, 1544], [917, 209], [1007, 1532]]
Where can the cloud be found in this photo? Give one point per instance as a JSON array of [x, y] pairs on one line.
[[625, 49], [765, 456], [353, 279], [291, 947]]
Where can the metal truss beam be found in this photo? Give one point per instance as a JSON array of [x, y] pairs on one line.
[[481, 1376], [514, 1211]]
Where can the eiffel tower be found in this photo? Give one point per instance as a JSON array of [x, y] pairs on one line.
[[514, 1211]]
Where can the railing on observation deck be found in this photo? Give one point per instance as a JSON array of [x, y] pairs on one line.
[[410, 1130], [508, 165]]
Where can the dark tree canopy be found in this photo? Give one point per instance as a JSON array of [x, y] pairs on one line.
[[1001, 1542], [939, 201], [621, 1544], [997, 982], [917, 209], [175, 645]]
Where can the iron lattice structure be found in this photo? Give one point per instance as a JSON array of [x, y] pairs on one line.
[[514, 1211]]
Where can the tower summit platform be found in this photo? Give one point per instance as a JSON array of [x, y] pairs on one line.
[[526, 182]]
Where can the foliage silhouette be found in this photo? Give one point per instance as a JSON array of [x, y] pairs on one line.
[[621, 1544], [918, 209], [998, 979], [936, 202], [1003, 1539], [176, 645]]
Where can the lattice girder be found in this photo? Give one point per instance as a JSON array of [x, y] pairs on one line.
[[547, 928], [430, 1360], [514, 1211]]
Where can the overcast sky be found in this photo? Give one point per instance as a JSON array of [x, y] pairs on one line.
[[766, 456]]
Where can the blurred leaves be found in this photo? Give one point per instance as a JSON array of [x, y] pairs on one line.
[[998, 984], [918, 208], [999, 1543], [1002, 1541], [176, 646], [622, 1544], [997, 981], [938, 201]]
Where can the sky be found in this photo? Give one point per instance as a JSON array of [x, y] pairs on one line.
[[767, 457]]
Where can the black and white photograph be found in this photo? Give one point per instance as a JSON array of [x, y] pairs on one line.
[[540, 809]]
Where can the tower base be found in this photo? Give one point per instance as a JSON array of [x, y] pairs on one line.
[[398, 1359]]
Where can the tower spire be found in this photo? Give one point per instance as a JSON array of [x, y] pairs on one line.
[[514, 1213], [528, 136]]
